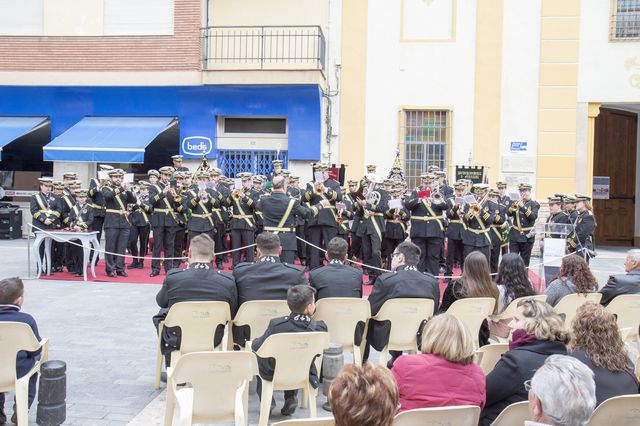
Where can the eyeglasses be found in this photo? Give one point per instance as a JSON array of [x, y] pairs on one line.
[[527, 385]]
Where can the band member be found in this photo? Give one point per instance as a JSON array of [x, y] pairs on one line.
[[371, 229], [294, 191], [220, 215], [478, 218], [96, 200], [80, 219], [455, 229], [255, 192], [524, 213], [582, 239], [66, 200], [371, 169], [396, 226], [177, 164], [427, 224], [200, 204], [356, 242], [116, 224], [498, 224], [67, 179], [139, 215], [344, 213], [503, 198], [557, 226], [43, 209], [163, 220], [180, 212], [441, 183], [277, 170], [242, 220], [569, 206]]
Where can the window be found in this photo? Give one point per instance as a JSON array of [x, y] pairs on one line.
[[276, 126], [425, 134], [625, 20], [260, 162]]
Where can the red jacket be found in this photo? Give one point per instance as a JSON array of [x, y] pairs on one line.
[[427, 380]]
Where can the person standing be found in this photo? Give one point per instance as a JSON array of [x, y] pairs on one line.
[[242, 220], [524, 213], [116, 224], [499, 223], [163, 220], [582, 239], [96, 201], [371, 229], [43, 209], [455, 229], [140, 226], [200, 204], [558, 224], [293, 191], [177, 164], [396, 227], [478, 219], [80, 219]]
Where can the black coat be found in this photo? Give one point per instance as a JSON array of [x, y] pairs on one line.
[[165, 207], [242, 216], [42, 208], [421, 212], [478, 224], [81, 216], [505, 384], [116, 199], [266, 279], [609, 383], [620, 284], [141, 213], [96, 198], [524, 219], [583, 235], [201, 215], [455, 213], [405, 282], [293, 323], [336, 280], [326, 217]]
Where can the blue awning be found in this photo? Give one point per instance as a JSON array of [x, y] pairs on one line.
[[11, 128], [107, 139]]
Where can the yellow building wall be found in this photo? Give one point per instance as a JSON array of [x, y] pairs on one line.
[[261, 12]]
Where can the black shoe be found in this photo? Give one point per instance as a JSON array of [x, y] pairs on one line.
[[3, 417], [154, 273], [111, 274], [140, 265], [163, 377], [289, 407], [121, 274], [132, 265], [78, 274]]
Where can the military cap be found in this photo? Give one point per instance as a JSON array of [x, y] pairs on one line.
[[554, 200], [501, 185], [493, 193], [105, 167], [285, 172], [460, 184], [524, 187], [353, 182], [439, 173], [166, 170], [582, 197], [70, 175], [47, 181], [76, 184], [115, 172], [566, 198], [257, 179], [179, 174], [81, 192], [153, 172], [176, 157], [57, 184], [371, 168], [480, 187], [144, 184], [426, 177], [293, 178], [277, 162], [433, 168]]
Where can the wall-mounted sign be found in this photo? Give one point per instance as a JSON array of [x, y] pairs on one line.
[[473, 173], [601, 187], [518, 146], [196, 146]]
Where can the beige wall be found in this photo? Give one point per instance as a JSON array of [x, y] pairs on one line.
[[261, 12]]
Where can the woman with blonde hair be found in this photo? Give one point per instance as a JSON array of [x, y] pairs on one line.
[[444, 373], [596, 341], [537, 333]]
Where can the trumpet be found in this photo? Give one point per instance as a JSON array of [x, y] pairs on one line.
[[320, 188], [477, 207], [238, 193], [176, 196]]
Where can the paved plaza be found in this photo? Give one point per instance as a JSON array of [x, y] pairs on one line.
[[103, 331]]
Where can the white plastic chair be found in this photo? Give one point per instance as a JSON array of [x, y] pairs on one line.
[[472, 311], [219, 376], [570, 303], [342, 315], [462, 415], [489, 355], [510, 310], [627, 308], [619, 410], [293, 354], [405, 315], [514, 414], [15, 337], [198, 322], [257, 314], [322, 421]]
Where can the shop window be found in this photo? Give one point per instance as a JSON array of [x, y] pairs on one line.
[[233, 162]]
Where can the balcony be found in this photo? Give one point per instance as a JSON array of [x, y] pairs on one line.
[[290, 48]]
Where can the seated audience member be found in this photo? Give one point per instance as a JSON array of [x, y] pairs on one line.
[[512, 280], [537, 333], [475, 282], [444, 374], [624, 284], [561, 393], [404, 282], [198, 282], [300, 299], [11, 299], [574, 277], [363, 396], [336, 279], [596, 341]]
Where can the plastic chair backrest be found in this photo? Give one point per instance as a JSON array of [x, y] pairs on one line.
[[510, 310], [619, 410], [462, 415], [322, 421], [257, 314], [514, 414], [342, 314], [198, 322], [570, 303], [627, 308], [14, 337], [472, 311], [293, 353], [215, 376], [407, 314], [490, 355]]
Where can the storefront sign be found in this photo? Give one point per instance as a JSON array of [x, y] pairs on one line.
[[474, 173], [601, 186], [518, 146], [196, 146]]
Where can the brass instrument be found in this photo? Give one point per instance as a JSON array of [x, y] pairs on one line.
[[319, 187], [176, 196], [371, 195], [477, 207], [238, 193]]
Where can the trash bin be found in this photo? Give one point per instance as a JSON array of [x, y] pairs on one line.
[[10, 222]]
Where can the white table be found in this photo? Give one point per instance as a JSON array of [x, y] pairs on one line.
[[88, 240]]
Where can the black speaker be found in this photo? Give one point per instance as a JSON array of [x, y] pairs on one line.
[[10, 222]]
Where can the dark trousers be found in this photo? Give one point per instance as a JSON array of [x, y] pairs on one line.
[[163, 238], [429, 254], [241, 238], [31, 392], [287, 394], [484, 250], [372, 254], [178, 246], [139, 233], [75, 254], [455, 251], [59, 254], [320, 236], [220, 239], [300, 245], [193, 234], [117, 239], [96, 225], [495, 257], [523, 249], [288, 256], [388, 247]]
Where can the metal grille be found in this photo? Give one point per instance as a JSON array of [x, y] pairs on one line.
[[425, 136], [256, 162], [625, 21]]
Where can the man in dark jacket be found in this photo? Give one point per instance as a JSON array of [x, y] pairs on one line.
[[404, 282], [300, 301], [623, 284], [11, 299], [336, 279]]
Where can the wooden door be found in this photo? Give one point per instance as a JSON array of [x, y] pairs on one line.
[[615, 156]]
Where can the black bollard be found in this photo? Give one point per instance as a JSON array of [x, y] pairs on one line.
[[52, 392]]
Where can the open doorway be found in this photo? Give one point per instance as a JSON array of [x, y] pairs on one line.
[[616, 157]]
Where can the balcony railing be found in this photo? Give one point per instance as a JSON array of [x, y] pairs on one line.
[[263, 47]]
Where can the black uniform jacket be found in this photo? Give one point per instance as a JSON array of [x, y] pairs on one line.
[[293, 323], [326, 217], [81, 216], [336, 280], [405, 282], [426, 218], [44, 207], [266, 279], [116, 199], [524, 219], [582, 236], [97, 200]]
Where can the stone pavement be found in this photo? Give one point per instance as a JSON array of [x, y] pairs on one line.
[[103, 331]]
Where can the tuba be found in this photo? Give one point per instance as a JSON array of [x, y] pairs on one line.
[[372, 196]]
